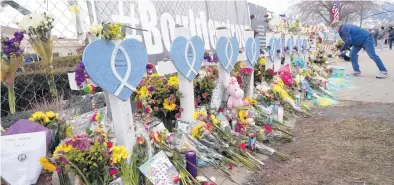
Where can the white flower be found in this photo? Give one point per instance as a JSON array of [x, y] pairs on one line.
[[96, 29], [202, 74]]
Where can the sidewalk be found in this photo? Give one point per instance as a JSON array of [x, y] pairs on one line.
[[367, 87]]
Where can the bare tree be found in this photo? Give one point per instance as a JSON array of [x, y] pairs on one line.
[[323, 9]]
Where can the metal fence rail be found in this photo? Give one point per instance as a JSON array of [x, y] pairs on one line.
[[72, 27]]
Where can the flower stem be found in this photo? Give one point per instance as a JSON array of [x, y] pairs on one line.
[[11, 99], [52, 84]]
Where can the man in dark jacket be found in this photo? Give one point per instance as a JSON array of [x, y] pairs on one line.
[[359, 38], [391, 37]]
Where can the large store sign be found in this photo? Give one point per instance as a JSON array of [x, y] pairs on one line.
[[160, 26]]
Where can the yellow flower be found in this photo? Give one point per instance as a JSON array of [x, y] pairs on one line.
[[242, 116], [119, 153], [214, 120], [169, 105], [38, 116], [154, 75], [173, 81], [143, 92], [69, 131], [47, 165], [63, 148], [57, 116], [262, 61], [50, 114], [199, 113], [198, 131], [46, 120], [31, 119], [251, 101], [74, 8]]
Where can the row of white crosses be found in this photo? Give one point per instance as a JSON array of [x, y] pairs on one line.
[[117, 67], [277, 48]]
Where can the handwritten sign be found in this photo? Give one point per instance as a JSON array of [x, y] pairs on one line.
[[20, 155], [159, 170]]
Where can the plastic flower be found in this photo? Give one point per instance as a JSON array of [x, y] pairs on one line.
[[143, 92], [47, 165], [119, 153], [173, 81], [168, 105], [50, 114]]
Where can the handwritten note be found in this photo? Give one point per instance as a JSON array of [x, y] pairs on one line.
[[160, 170], [20, 155]]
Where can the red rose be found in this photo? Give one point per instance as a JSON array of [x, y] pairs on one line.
[[109, 144]]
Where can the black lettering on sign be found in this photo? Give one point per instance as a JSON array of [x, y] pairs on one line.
[[120, 63]]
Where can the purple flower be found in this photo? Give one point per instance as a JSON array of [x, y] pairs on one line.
[[207, 57], [215, 58], [81, 142], [80, 74], [151, 88], [18, 36], [11, 47]]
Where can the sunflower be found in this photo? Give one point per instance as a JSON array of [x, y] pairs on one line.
[[242, 116], [198, 131], [251, 101], [168, 105], [143, 92], [173, 81]]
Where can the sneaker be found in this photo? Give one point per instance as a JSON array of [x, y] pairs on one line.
[[357, 73], [382, 74]]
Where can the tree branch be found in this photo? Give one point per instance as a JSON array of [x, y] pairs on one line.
[[324, 17]]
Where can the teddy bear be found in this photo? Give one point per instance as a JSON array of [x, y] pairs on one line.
[[236, 94]]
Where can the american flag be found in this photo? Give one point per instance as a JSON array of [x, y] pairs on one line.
[[335, 12]]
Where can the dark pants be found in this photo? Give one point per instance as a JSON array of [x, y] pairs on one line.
[[390, 42], [368, 46]]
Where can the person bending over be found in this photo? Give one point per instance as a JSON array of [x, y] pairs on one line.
[[359, 38]]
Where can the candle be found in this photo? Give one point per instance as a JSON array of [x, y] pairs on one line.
[[191, 163]]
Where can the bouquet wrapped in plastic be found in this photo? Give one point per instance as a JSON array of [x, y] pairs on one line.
[[11, 60]]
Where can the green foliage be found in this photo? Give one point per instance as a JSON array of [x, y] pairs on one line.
[[60, 65]]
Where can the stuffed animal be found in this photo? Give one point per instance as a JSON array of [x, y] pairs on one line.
[[236, 94]]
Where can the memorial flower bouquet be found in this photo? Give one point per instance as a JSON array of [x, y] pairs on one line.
[[159, 96], [108, 31], [90, 156], [11, 60], [204, 84], [59, 128], [39, 29]]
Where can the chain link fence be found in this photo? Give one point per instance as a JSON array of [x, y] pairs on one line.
[[71, 35]]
